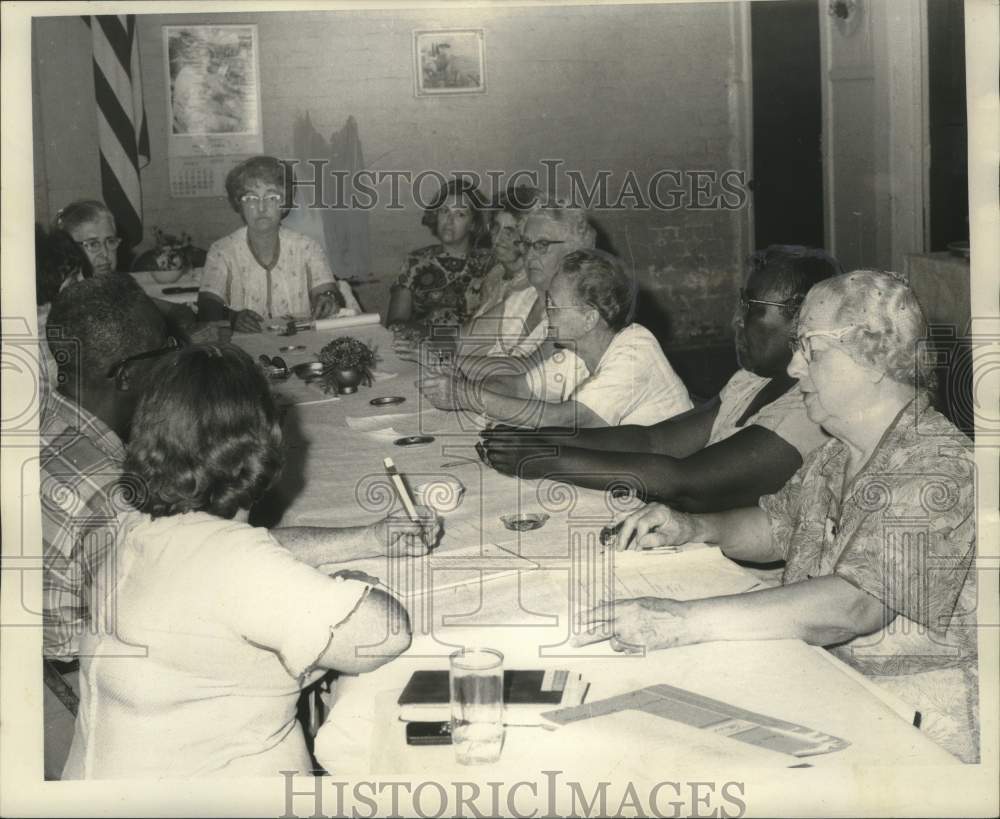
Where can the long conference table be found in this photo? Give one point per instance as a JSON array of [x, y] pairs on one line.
[[523, 592]]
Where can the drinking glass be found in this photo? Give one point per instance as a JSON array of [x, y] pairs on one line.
[[476, 683]]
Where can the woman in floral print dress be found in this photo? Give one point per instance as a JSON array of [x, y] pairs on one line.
[[440, 283]]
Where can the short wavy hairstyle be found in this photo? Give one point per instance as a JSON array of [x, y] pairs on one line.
[[81, 212], [888, 320], [206, 435], [601, 281], [792, 271], [462, 187], [266, 169], [572, 220]]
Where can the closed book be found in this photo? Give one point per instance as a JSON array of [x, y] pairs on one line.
[[526, 694]]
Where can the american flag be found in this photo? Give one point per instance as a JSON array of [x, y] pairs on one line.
[[121, 119]]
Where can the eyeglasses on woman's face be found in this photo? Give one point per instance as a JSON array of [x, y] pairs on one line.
[[540, 246], [268, 200], [746, 301], [551, 305], [803, 343], [108, 244], [117, 369]]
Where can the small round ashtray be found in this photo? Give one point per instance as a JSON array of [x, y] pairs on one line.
[[443, 494], [291, 348], [385, 400], [309, 370], [414, 440], [525, 522]]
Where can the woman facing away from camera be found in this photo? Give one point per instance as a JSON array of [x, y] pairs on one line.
[[745, 442], [877, 529], [209, 628]]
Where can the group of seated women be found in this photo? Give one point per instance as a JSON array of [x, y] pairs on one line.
[[821, 452]]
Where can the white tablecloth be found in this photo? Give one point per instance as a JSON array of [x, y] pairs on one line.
[[519, 592]]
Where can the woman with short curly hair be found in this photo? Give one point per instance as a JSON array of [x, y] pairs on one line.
[[440, 283], [264, 270], [214, 628], [616, 374], [877, 529]]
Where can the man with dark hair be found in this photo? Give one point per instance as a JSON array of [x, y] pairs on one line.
[[101, 331], [105, 333]]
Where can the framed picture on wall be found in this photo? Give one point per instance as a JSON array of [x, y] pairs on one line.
[[449, 61]]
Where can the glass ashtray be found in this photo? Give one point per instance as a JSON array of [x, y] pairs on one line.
[[525, 522]]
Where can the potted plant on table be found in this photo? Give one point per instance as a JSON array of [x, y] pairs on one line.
[[347, 362]]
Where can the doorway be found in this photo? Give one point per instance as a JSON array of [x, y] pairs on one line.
[[787, 123]]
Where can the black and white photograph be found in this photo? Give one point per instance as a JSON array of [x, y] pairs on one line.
[[449, 62], [616, 437]]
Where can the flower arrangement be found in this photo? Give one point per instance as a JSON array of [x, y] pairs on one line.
[[171, 252], [347, 353]]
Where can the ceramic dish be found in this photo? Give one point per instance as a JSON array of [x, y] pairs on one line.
[[442, 494], [526, 522], [309, 370], [387, 399]]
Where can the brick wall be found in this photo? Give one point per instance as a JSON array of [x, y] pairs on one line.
[[629, 88]]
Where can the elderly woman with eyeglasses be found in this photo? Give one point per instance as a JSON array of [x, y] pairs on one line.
[[91, 225], [263, 270], [877, 528], [588, 304], [508, 275], [727, 452]]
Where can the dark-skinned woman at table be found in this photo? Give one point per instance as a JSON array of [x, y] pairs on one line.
[[263, 270], [209, 627], [440, 283], [877, 529], [745, 442]]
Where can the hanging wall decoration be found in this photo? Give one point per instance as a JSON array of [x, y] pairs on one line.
[[449, 61]]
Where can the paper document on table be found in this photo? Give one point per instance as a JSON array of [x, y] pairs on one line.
[[717, 717], [370, 423], [441, 569], [632, 745], [680, 575]]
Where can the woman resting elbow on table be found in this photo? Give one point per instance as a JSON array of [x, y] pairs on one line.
[[209, 629], [263, 270], [589, 303], [877, 528], [726, 453]]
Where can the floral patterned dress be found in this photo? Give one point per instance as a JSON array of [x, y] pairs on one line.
[[446, 289], [903, 531]]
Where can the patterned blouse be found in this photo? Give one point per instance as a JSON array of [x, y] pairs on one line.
[[446, 289], [236, 277], [904, 531]]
